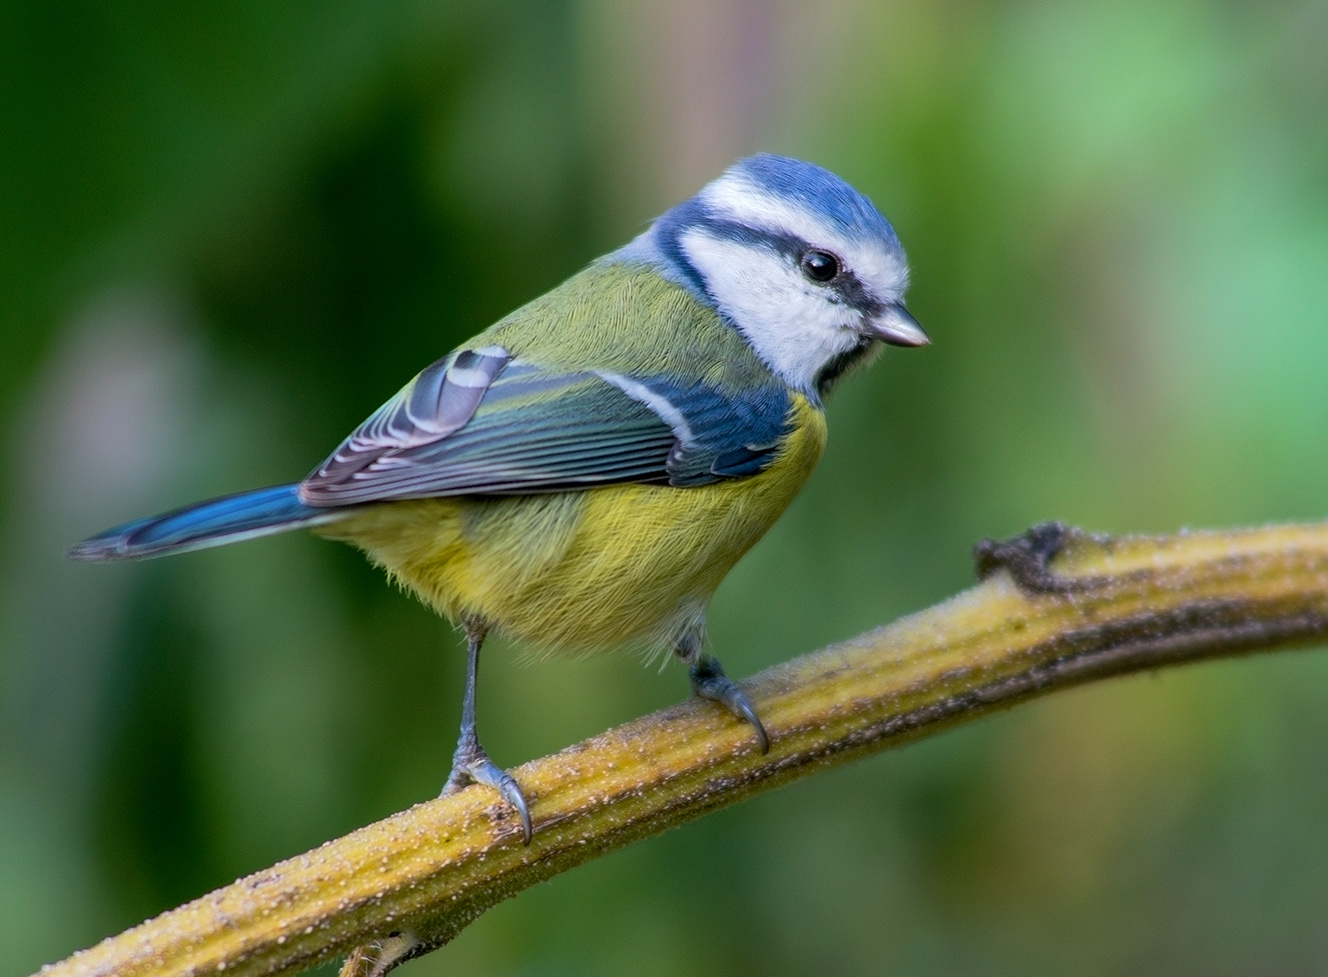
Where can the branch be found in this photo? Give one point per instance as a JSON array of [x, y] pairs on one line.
[[411, 882]]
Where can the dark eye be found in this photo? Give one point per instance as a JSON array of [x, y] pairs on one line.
[[820, 266]]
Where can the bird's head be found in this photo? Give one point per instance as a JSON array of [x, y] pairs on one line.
[[800, 262]]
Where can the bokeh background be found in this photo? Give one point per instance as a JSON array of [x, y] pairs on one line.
[[229, 231]]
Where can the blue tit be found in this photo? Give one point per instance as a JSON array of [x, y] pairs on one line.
[[586, 471]]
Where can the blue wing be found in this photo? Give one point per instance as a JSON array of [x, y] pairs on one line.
[[479, 422]]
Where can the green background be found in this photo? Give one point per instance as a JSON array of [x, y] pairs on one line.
[[229, 231]]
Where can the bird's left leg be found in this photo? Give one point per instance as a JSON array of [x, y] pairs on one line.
[[710, 682], [470, 764]]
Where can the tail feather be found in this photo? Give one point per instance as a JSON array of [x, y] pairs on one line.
[[229, 519]]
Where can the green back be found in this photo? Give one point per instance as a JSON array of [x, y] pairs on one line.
[[627, 319]]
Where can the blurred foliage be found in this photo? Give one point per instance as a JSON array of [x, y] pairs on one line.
[[229, 231]]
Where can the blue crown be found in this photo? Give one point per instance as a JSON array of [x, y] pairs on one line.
[[806, 186], [818, 190]]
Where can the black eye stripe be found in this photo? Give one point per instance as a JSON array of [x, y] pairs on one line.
[[789, 245], [847, 285], [855, 294]]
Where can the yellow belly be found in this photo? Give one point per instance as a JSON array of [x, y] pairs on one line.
[[578, 570]]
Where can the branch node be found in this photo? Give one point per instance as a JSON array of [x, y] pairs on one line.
[[1027, 559], [378, 958]]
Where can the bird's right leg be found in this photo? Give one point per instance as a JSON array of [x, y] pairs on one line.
[[470, 764], [710, 682]]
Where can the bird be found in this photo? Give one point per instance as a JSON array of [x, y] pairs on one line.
[[583, 473]]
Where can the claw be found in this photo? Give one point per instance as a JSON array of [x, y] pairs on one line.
[[710, 682], [472, 765]]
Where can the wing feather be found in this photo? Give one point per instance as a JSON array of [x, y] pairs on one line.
[[479, 422]]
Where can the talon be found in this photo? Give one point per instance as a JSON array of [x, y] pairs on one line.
[[739, 705], [710, 682], [511, 792], [472, 765]]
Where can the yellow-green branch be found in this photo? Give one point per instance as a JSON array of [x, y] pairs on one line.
[[416, 879]]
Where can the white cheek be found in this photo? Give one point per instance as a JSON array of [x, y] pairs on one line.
[[792, 325]]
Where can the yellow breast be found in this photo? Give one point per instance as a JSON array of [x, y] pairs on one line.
[[579, 570]]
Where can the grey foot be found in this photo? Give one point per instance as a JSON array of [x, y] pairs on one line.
[[710, 682], [471, 765]]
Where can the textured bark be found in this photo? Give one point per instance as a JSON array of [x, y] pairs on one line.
[[410, 883]]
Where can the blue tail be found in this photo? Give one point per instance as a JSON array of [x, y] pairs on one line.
[[229, 519]]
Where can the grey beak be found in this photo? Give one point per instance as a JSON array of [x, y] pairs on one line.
[[896, 327]]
